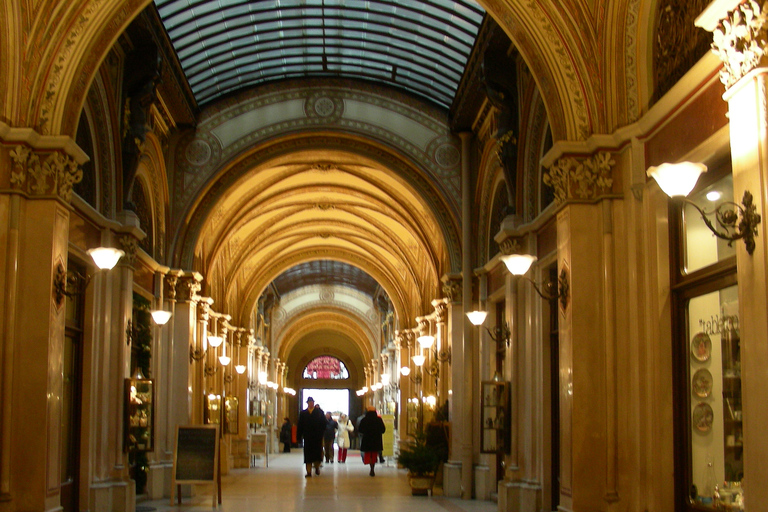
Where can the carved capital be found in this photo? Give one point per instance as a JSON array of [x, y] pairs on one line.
[[39, 173], [511, 245], [741, 41], [170, 283], [187, 288], [129, 244], [452, 289], [581, 178], [441, 310]]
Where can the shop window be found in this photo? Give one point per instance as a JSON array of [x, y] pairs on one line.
[[707, 373]]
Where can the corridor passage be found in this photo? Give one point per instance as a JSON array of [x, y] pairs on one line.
[[282, 487]]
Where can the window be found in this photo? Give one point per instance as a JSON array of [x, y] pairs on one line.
[[325, 367]]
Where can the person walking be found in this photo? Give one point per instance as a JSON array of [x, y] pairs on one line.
[[342, 438], [331, 426], [372, 427], [310, 428], [285, 435]]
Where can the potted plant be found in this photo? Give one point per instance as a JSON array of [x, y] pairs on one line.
[[422, 461]]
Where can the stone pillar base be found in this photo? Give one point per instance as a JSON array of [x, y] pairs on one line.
[[159, 478], [483, 482], [117, 496], [240, 456], [519, 496], [452, 479]]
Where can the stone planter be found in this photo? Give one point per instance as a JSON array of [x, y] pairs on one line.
[[421, 485]]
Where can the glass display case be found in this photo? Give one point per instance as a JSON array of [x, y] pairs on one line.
[[495, 417], [139, 415]]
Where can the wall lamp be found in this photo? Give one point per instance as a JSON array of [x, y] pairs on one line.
[[500, 333], [160, 316], [427, 341], [68, 283], [677, 181], [518, 265]]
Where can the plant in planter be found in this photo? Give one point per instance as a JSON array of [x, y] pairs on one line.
[[422, 461]]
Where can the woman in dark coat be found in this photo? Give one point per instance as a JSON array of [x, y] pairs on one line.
[[286, 435], [372, 427], [311, 427]]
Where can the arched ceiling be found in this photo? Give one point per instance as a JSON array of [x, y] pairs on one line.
[[419, 47], [327, 273], [295, 211]]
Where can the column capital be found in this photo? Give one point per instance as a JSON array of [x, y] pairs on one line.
[[581, 177], [740, 36], [187, 287], [50, 173], [452, 287]]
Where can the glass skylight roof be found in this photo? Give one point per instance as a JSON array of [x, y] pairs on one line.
[[421, 46]]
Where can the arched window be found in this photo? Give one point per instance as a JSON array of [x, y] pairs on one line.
[[325, 367]]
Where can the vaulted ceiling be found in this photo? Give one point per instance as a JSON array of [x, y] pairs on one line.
[[227, 45]]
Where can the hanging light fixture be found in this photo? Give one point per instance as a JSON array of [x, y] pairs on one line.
[[160, 316]]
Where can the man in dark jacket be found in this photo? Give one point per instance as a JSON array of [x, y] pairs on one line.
[[372, 427], [311, 427]]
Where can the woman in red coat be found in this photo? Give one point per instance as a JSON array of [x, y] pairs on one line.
[[372, 427]]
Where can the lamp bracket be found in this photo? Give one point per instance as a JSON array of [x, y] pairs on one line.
[[553, 291], [500, 334], [228, 377], [736, 223], [443, 355], [68, 283]]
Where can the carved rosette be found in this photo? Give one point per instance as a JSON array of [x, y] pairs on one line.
[[581, 179], [38, 173], [741, 41]]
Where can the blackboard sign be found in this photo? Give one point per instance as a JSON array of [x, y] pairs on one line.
[[196, 459]]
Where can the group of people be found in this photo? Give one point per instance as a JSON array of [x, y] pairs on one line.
[[319, 431]]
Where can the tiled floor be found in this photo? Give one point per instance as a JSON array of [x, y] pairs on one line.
[[282, 487]]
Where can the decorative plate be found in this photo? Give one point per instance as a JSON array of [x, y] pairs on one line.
[[701, 347], [702, 417], [702, 383]]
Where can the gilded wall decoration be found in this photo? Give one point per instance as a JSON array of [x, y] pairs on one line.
[[38, 173], [741, 41], [130, 245], [452, 289], [581, 179], [678, 44]]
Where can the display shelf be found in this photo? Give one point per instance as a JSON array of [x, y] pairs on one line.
[[139, 417], [495, 418]]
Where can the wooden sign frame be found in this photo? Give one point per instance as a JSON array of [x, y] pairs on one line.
[[200, 459]]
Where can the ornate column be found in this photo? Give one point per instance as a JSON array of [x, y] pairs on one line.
[[34, 227], [588, 432], [458, 408], [741, 40]]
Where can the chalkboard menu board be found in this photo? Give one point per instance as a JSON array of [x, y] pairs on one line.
[[197, 456]]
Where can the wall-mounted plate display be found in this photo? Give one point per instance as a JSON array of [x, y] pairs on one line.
[[703, 417], [701, 347], [701, 384]]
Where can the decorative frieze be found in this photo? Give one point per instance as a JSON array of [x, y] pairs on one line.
[[581, 179], [38, 173], [741, 40]]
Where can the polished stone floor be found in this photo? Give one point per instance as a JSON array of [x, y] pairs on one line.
[[282, 487]]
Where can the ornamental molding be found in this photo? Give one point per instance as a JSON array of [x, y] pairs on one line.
[[44, 173], [581, 179], [187, 289], [741, 41]]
